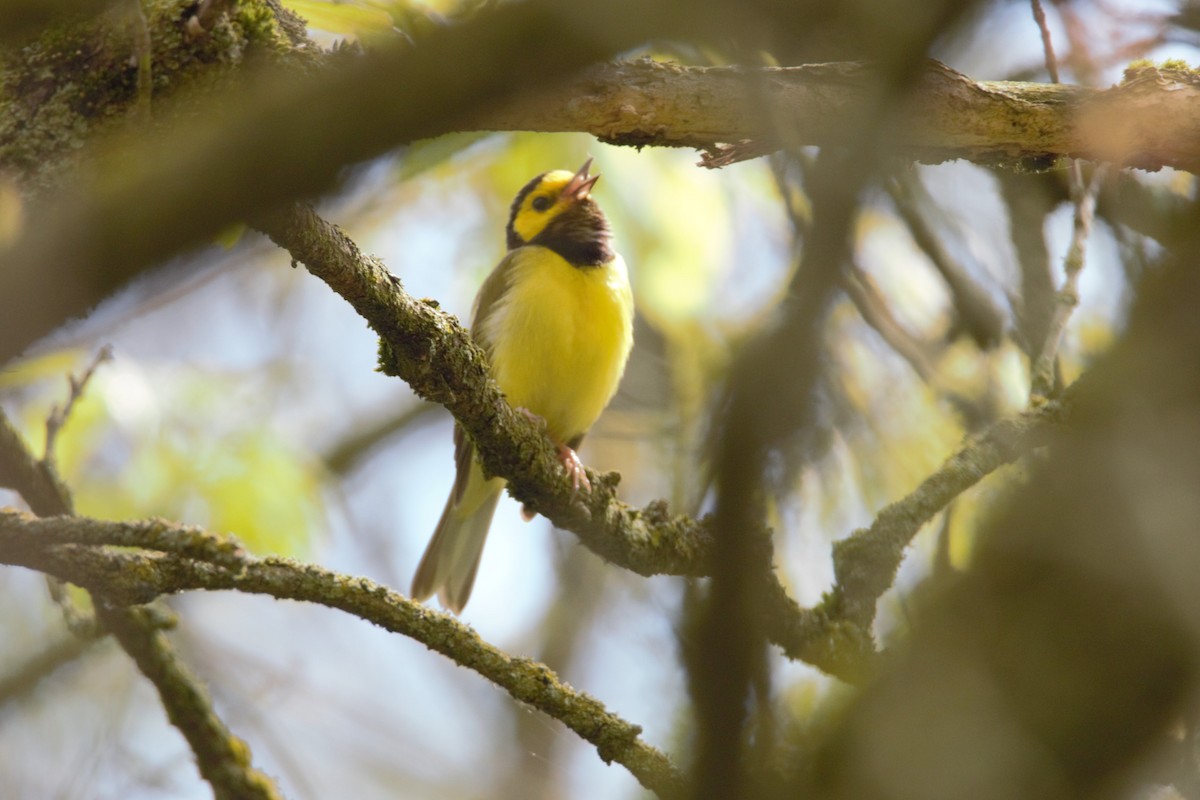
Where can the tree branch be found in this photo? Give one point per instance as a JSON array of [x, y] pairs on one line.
[[950, 116], [432, 352], [137, 577], [1043, 366], [865, 564], [223, 758]]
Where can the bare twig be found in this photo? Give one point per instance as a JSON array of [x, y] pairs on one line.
[[865, 564], [1043, 370], [348, 454], [59, 414], [80, 620], [1029, 202], [976, 311], [1039, 16], [1067, 297]]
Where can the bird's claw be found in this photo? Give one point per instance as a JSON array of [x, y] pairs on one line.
[[574, 468], [566, 456], [575, 471]]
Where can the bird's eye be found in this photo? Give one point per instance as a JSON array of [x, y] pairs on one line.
[[540, 203]]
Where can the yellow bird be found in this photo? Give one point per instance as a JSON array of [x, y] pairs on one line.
[[556, 320]]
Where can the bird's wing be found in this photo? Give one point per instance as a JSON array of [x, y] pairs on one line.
[[485, 301], [489, 295]]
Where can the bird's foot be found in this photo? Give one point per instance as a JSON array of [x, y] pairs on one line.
[[573, 467]]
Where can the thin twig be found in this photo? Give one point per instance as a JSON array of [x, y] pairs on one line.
[[59, 414], [1043, 370], [1067, 296], [1039, 16], [22, 680], [865, 563], [348, 454], [80, 620], [977, 312]]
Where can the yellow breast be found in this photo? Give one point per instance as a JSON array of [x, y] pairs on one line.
[[559, 337]]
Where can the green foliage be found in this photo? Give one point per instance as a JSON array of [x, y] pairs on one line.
[[153, 440]]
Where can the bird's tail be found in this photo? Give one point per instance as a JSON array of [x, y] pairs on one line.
[[452, 557]]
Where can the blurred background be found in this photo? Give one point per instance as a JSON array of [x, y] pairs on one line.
[[242, 396]]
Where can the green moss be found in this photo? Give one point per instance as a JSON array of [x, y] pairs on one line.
[[1177, 64], [80, 76], [1144, 67]]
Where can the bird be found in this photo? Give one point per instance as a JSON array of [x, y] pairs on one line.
[[555, 318]]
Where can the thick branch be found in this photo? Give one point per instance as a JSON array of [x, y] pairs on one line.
[[1150, 120], [136, 577]]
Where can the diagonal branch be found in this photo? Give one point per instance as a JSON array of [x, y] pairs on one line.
[[865, 564], [223, 759], [432, 352]]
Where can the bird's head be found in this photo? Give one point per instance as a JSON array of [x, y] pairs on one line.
[[556, 210]]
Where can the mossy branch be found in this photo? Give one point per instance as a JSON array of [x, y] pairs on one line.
[[139, 576], [433, 353], [223, 759]]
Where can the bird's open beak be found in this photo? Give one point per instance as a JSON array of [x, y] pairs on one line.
[[580, 185]]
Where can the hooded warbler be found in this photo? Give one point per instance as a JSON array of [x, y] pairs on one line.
[[555, 318]]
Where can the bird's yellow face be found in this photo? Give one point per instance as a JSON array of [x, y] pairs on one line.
[[545, 199]]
